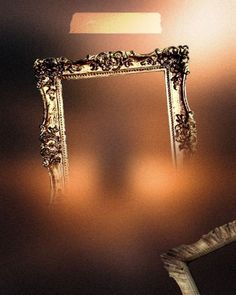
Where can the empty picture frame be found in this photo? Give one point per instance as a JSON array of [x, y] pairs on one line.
[[51, 71], [176, 260]]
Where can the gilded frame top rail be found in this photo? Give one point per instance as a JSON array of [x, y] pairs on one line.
[[174, 59]]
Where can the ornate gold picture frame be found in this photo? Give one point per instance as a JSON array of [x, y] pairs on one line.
[[51, 71], [176, 260]]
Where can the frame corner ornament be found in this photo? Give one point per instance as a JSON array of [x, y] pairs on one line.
[[176, 60]]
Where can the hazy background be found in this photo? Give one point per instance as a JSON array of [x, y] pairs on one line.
[[128, 205]]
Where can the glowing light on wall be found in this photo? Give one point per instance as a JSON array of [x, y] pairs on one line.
[[116, 23]]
